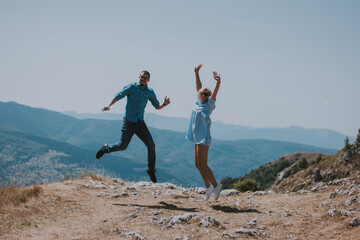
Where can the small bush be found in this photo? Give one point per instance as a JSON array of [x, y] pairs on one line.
[[227, 182], [287, 174], [247, 185], [319, 158], [303, 164], [309, 172], [347, 144]]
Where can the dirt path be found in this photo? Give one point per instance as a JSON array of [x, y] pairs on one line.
[[108, 209]]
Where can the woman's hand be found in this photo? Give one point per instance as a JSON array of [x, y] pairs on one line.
[[196, 70], [218, 81], [217, 77]]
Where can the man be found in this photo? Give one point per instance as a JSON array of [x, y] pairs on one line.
[[137, 95]]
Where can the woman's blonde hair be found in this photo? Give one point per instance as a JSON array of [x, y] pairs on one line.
[[207, 89]]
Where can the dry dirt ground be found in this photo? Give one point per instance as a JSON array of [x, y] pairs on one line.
[[112, 209]]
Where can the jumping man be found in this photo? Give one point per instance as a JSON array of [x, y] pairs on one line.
[[137, 94]]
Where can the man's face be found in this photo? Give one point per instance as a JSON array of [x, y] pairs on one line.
[[143, 79]]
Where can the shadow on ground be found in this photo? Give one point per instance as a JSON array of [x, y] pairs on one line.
[[228, 209], [164, 205]]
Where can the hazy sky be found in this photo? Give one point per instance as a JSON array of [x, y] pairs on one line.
[[282, 63]]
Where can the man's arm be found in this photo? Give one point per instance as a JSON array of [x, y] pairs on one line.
[[197, 77], [165, 103], [107, 108], [117, 97]]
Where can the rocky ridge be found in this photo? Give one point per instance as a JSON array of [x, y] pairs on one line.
[[314, 171]]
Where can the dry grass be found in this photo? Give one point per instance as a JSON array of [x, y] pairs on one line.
[[85, 174], [13, 210], [92, 176], [23, 208], [15, 196]]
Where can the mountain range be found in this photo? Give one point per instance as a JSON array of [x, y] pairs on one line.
[[39, 145], [325, 138]]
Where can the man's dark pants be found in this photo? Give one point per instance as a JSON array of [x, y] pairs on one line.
[[140, 129]]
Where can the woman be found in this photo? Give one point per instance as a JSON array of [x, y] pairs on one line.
[[199, 132]]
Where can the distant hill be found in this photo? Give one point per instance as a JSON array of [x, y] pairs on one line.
[[175, 161], [223, 131], [28, 159]]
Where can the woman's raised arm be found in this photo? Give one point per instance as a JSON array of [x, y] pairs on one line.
[[198, 82], [218, 81]]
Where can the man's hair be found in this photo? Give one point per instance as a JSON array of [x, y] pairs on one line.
[[146, 72]]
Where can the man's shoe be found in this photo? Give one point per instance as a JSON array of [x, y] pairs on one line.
[[152, 175], [101, 151], [217, 191], [208, 192]]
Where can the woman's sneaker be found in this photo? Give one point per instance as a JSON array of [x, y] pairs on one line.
[[208, 192], [217, 191]]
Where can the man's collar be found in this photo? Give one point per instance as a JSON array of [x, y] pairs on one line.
[[138, 85]]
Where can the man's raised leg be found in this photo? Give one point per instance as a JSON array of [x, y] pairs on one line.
[[127, 131]]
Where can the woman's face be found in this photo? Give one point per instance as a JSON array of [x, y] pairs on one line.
[[203, 95]]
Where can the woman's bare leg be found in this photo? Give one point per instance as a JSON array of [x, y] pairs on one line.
[[198, 166], [201, 156]]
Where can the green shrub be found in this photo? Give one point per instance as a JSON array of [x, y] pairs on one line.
[[319, 158], [227, 182], [303, 163], [347, 144], [308, 172], [247, 185]]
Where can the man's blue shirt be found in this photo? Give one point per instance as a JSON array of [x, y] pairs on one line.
[[137, 99]]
